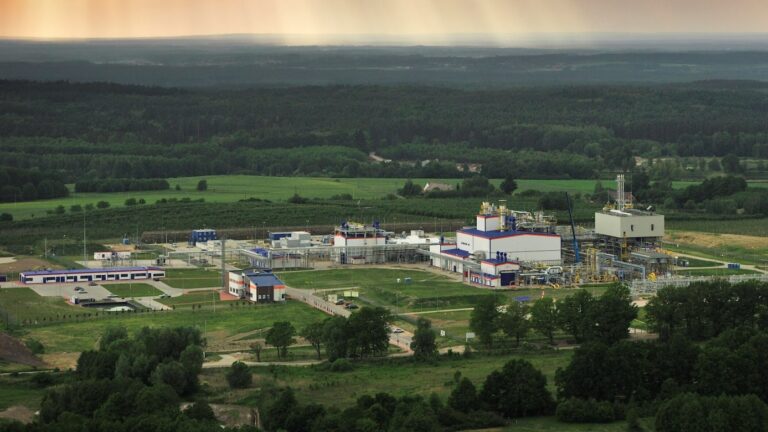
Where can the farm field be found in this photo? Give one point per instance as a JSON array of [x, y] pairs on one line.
[[230, 188], [715, 272], [133, 290], [747, 227], [223, 323], [745, 249]]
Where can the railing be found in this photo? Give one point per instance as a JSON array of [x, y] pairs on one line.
[[647, 287]]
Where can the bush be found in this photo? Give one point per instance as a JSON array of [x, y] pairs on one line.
[[341, 365], [102, 204], [130, 202], [575, 410], [6, 217], [41, 380], [239, 375], [200, 410], [35, 346]]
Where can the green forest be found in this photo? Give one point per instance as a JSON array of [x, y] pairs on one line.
[[68, 132]]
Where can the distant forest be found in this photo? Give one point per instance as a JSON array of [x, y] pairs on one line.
[[73, 132]]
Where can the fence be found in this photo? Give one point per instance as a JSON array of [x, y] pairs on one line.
[[647, 287]]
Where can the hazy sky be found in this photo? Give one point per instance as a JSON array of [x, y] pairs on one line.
[[417, 21]]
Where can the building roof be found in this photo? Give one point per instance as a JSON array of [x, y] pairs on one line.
[[456, 252], [82, 271], [502, 234], [430, 186], [263, 278]]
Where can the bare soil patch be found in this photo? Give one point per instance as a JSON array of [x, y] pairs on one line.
[[19, 413], [710, 240], [62, 361], [24, 264], [14, 351]]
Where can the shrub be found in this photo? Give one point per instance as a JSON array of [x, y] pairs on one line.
[[341, 365], [575, 410], [102, 204], [239, 375], [35, 346]]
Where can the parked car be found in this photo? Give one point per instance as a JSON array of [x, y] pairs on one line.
[[397, 330], [351, 306], [79, 289], [165, 296], [340, 302]]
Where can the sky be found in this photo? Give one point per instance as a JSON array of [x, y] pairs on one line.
[[352, 21]]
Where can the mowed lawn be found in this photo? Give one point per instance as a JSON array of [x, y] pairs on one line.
[[133, 290], [230, 188], [192, 278], [381, 287], [224, 322], [195, 298], [25, 304]]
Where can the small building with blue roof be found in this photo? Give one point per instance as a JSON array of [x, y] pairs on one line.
[[256, 285]]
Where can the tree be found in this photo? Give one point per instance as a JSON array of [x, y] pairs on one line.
[[514, 322], [410, 189], [336, 337], [277, 413], [731, 164], [575, 315], [76, 208], [173, 374], [6, 217], [297, 199], [544, 318], [130, 202], [60, 210], [517, 390], [484, 319], [423, 344], [112, 334], [613, 312], [464, 397], [257, 347], [102, 204], [178, 188], [368, 332], [202, 185], [29, 192], [200, 410], [281, 336], [239, 375], [313, 333], [509, 185]]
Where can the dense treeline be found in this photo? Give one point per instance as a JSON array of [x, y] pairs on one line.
[[29, 184], [121, 185], [139, 132], [128, 384]]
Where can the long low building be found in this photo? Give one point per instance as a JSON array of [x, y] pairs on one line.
[[91, 275]]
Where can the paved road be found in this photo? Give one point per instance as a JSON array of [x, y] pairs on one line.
[[723, 264]]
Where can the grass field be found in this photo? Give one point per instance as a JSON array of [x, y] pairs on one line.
[[729, 252], [396, 376], [715, 272], [192, 278], [19, 391], [207, 297], [133, 290], [229, 188], [225, 322], [380, 287], [750, 227], [694, 262], [24, 304]]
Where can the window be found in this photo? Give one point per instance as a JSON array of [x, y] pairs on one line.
[[651, 227], [631, 227]]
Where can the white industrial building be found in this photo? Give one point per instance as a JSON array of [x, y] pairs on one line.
[[260, 286], [491, 253], [355, 243], [91, 275], [111, 255], [293, 240]]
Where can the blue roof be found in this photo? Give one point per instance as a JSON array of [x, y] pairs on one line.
[[264, 279], [499, 234], [80, 271], [456, 252]]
